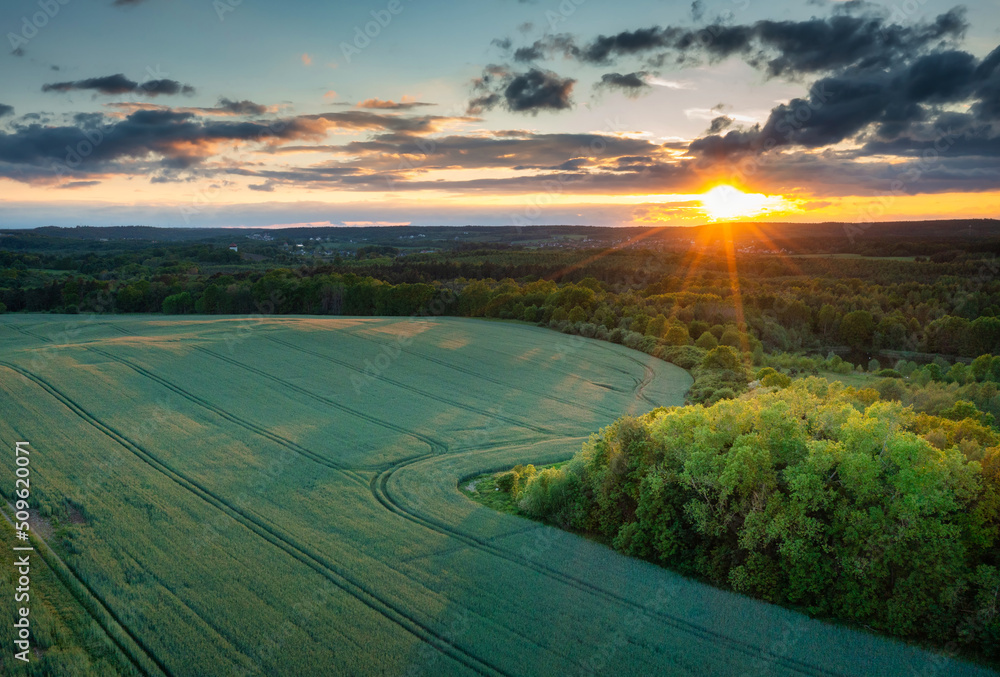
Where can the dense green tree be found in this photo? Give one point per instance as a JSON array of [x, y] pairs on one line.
[[707, 341], [856, 328]]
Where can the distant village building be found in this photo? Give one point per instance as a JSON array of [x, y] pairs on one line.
[[233, 248]]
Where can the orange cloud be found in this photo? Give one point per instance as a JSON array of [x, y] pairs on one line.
[[307, 60]]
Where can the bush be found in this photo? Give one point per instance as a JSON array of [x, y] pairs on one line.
[[817, 496], [776, 380], [707, 341], [888, 373], [677, 335], [178, 304], [685, 357], [723, 357], [732, 337]]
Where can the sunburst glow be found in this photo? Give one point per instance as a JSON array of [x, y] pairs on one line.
[[724, 203]]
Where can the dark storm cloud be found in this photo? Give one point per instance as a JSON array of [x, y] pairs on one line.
[[878, 106], [632, 84], [119, 84], [174, 139], [778, 47], [477, 152], [6, 110], [528, 92]]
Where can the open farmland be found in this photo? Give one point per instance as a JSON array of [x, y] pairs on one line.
[[279, 496]]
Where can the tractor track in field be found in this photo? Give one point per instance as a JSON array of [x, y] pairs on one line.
[[260, 527], [429, 441], [484, 377], [30, 334], [350, 473], [379, 489], [62, 569], [426, 439], [413, 389], [231, 643]]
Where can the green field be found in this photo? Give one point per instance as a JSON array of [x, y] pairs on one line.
[[280, 496]]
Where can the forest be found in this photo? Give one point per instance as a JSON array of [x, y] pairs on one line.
[[839, 449], [829, 499]]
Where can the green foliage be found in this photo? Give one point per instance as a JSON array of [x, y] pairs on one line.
[[817, 496], [707, 341], [856, 328], [677, 335], [178, 304], [776, 380], [723, 357]]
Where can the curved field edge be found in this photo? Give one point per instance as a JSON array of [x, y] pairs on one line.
[[821, 644], [642, 616], [482, 488]]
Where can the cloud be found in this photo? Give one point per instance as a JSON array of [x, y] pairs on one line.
[[119, 84], [780, 48], [908, 101], [244, 107], [306, 60], [6, 110], [224, 108], [175, 140], [633, 84], [697, 10], [379, 104], [719, 123], [528, 92]]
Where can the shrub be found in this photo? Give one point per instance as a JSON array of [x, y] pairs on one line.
[[677, 335], [776, 380], [798, 497], [723, 357], [707, 341]]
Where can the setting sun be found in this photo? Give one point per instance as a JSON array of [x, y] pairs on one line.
[[725, 202]]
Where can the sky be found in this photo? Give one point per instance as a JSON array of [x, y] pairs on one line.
[[259, 113]]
